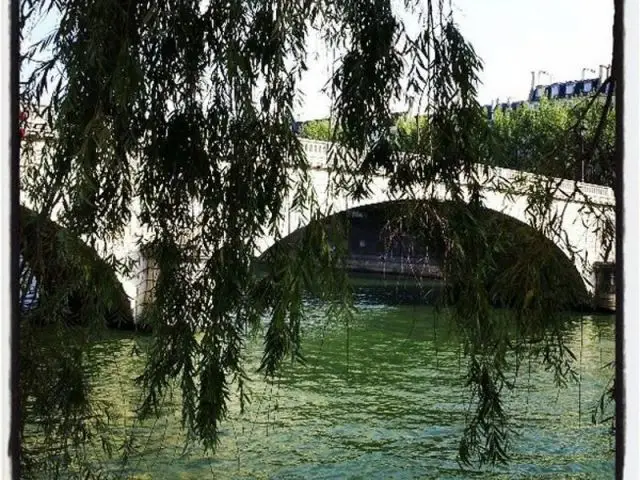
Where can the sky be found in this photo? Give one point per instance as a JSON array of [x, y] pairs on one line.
[[512, 37]]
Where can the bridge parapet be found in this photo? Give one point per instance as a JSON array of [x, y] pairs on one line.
[[595, 193], [318, 155], [317, 152]]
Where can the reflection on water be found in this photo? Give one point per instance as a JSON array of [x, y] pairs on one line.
[[385, 401]]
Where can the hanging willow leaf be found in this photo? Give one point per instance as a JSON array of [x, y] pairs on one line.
[[179, 113]]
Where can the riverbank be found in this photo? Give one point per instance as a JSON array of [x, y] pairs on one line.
[[393, 266]]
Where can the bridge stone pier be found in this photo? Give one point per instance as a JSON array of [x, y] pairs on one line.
[[578, 233]]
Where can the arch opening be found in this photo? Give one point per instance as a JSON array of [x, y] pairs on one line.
[[381, 239], [66, 275]]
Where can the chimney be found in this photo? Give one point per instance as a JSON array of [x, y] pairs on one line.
[[544, 72], [533, 80], [602, 70]]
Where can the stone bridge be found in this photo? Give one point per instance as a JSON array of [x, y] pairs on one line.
[[578, 232]]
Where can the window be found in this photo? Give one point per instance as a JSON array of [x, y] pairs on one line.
[[28, 287], [537, 93], [609, 88], [569, 89]]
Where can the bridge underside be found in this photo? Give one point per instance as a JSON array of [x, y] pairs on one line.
[[54, 259], [400, 238]]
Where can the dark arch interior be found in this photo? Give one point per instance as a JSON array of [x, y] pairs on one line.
[[382, 239], [57, 259]]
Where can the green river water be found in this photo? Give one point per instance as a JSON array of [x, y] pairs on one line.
[[392, 407]]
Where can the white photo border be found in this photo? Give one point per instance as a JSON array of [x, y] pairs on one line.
[[630, 397]]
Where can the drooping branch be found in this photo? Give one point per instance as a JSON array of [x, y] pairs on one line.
[[179, 114]]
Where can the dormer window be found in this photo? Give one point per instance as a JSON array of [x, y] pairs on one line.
[[569, 89]]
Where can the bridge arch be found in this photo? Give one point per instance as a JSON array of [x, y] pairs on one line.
[[579, 230], [367, 221], [49, 253]]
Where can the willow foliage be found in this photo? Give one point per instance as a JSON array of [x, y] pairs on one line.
[[179, 114]]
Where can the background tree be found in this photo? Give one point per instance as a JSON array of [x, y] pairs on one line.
[[553, 138], [557, 138], [317, 130], [159, 106]]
